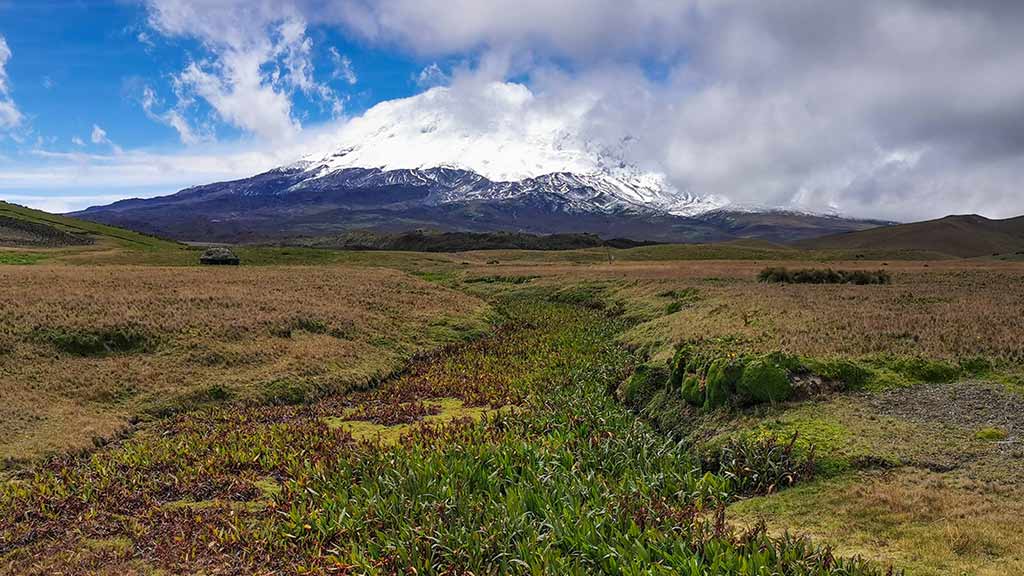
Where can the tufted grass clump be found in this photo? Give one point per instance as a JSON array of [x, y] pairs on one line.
[[758, 466], [106, 341], [991, 434], [783, 275]]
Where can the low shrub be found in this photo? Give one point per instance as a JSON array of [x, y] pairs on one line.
[[976, 365], [97, 342], [823, 276], [759, 466]]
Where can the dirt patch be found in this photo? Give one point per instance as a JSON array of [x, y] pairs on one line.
[[971, 405]]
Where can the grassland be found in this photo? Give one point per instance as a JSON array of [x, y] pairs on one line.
[[567, 481], [914, 416], [550, 442], [84, 351], [941, 310]]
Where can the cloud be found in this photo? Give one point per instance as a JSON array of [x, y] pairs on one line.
[[10, 116], [77, 141], [65, 181], [144, 39], [892, 108], [431, 76], [99, 136], [175, 118], [901, 109], [342, 67], [583, 30], [259, 57]]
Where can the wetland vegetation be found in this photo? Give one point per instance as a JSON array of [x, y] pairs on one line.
[[315, 411]]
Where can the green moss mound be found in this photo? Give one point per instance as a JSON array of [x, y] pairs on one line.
[[678, 365], [763, 381], [637, 391], [693, 390], [720, 386], [851, 374]]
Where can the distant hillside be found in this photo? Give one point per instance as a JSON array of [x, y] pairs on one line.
[[783, 225], [432, 241], [22, 227], [965, 236]]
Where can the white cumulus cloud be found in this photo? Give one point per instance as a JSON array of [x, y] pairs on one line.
[[10, 116], [784, 103], [259, 56]]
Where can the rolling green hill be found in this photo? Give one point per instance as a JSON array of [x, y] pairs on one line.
[[966, 236], [22, 227]]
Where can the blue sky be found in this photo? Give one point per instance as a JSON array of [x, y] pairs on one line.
[[900, 109], [80, 64]]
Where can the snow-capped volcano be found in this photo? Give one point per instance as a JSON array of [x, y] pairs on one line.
[[503, 139], [499, 161]]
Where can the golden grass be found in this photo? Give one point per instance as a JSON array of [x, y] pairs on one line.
[[928, 523], [205, 333], [936, 310]]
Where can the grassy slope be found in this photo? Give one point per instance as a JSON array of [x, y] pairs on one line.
[[121, 246], [119, 236], [964, 236]]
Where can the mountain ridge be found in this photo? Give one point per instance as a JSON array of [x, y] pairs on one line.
[[963, 235], [285, 202]]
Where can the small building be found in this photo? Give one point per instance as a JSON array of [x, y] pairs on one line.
[[219, 256]]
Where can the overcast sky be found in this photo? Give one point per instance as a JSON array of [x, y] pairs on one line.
[[902, 109]]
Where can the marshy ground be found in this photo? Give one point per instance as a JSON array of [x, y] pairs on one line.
[[246, 422]]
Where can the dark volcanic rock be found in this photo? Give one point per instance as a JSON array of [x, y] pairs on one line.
[[219, 256]]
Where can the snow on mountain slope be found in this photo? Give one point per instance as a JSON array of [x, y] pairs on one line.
[[506, 141]]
